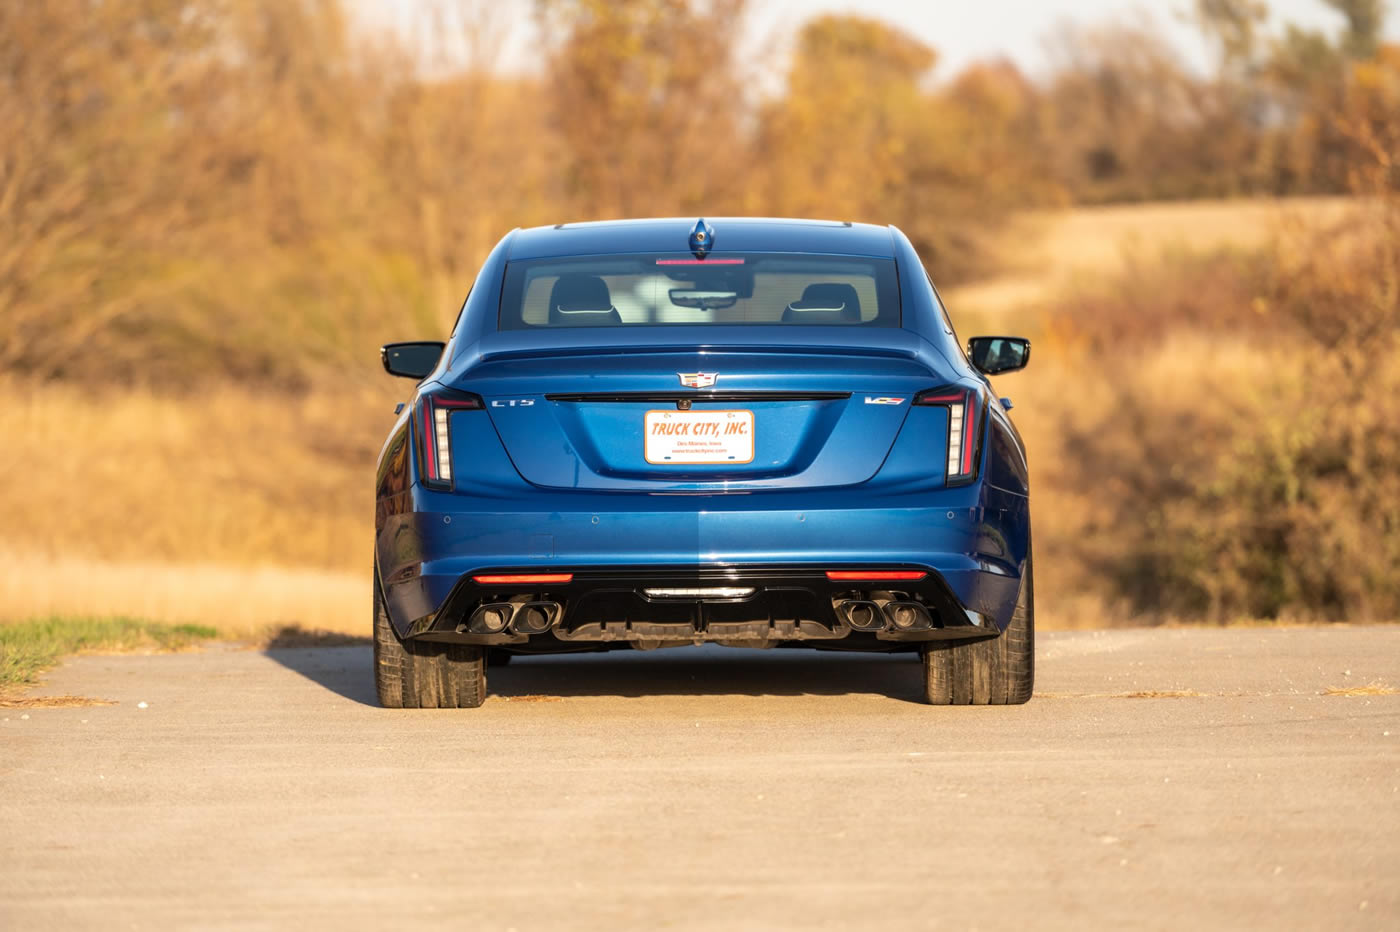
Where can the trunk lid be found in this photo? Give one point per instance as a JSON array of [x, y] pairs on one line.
[[621, 418]]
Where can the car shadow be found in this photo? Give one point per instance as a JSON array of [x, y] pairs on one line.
[[687, 671], [297, 636], [346, 671]]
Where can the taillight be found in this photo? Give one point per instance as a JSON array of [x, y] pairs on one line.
[[964, 428], [435, 460]]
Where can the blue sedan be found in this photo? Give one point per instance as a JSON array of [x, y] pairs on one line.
[[657, 433]]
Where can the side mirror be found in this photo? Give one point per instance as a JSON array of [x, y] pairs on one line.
[[411, 360], [999, 354]]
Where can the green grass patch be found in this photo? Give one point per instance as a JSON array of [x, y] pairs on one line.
[[27, 648]]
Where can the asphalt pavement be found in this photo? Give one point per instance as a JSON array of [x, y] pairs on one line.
[[1159, 779]]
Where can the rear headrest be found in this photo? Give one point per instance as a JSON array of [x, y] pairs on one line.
[[581, 301], [825, 303]]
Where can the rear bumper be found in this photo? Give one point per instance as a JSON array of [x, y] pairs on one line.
[[971, 541], [751, 605], [741, 605]]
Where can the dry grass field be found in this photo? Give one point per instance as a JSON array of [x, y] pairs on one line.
[[250, 511], [231, 508], [251, 602], [1045, 253]]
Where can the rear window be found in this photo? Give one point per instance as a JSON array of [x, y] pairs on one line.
[[660, 290]]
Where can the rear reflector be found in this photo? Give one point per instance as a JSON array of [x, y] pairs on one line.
[[874, 575], [523, 579]]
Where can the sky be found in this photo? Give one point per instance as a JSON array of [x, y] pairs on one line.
[[961, 31], [967, 30]]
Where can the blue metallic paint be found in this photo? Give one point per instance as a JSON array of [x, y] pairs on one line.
[[834, 500], [734, 235]]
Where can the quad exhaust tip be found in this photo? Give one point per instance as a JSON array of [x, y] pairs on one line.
[[491, 618], [520, 617], [863, 615], [908, 616], [535, 617]]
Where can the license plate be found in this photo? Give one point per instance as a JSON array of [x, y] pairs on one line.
[[699, 437]]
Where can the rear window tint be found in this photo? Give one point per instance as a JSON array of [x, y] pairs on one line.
[[671, 289]]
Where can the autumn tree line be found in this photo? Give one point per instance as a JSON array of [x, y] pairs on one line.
[[263, 189]]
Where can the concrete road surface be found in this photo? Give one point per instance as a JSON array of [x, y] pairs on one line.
[[1160, 779]]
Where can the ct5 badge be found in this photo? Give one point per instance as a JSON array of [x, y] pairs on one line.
[[882, 400]]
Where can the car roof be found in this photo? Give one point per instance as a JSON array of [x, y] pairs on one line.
[[731, 234]]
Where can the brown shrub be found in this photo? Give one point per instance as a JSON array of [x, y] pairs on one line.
[[1238, 455], [199, 191]]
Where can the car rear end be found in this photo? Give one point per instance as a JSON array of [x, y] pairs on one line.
[[657, 447]]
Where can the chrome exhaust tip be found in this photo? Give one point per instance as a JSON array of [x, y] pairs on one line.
[[491, 618], [863, 616], [909, 616], [535, 617]]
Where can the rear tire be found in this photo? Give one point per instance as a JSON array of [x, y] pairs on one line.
[[997, 671], [421, 674]]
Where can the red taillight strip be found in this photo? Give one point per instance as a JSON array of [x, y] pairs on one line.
[[429, 439], [699, 261], [969, 435], [874, 575], [510, 579]]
